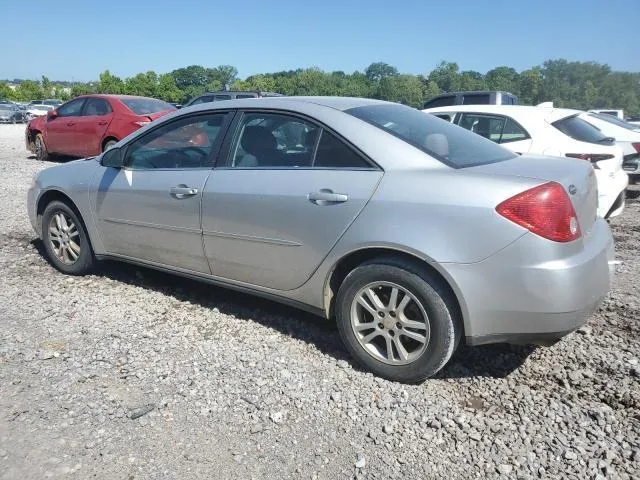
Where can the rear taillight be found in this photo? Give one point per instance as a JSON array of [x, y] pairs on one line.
[[142, 123], [592, 157], [545, 210], [636, 146]]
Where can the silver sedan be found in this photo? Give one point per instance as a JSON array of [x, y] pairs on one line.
[[414, 234]]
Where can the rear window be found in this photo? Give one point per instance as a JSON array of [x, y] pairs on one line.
[[614, 120], [145, 106], [441, 102], [580, 130], [452, 145]]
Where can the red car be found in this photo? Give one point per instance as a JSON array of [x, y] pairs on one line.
[[88, 125]]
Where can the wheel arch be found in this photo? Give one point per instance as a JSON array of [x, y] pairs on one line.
[[106, 139], [353, 259], [52, 195]]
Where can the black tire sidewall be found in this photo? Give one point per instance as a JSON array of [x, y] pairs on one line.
[[443, 334], [42, 153], [85, 260]]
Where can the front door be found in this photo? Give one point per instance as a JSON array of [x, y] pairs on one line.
[[150, 209], [286, 193], [60, 131], [92, 126]]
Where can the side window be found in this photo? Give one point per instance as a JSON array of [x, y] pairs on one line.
[[444, 116], [513, 132], [487, 126], [333, 153], [222, 97], [441, 102], [185, 143], [204, 99], [97, 106], [477, 99], [245, 95], [71, 109], [273, 140]]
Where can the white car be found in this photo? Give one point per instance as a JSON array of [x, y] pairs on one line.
[[551, 131], [627, 135], [38, 110], [614, 113]]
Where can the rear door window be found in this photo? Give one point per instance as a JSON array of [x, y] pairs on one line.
[[97, 107], [513, 132], [580, 130]]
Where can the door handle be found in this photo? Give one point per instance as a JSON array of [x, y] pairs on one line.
[[70, 124], [327, 197], [183, 191], [102, 123]]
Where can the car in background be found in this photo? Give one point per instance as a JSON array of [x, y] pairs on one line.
[[613, 112], [472, 98], [228, 95], [546, 130], [37, 110], [90, 124], [10, 113], [368, 217], [633, 120], [54, 102], [626, 135]]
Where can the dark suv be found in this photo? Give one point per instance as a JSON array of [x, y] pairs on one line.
[[228, 95], [472, 98]]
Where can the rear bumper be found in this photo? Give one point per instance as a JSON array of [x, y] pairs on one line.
[[535, 291], [610, 187]]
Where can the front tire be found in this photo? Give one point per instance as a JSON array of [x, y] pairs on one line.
[[41, 148], [65, 239], [108, 144], [396, 320]]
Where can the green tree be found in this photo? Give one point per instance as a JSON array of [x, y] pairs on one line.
[[28, 90], [502, 78], [6, 93], [47, 87], [110, 84], [379, 70], [446, 76], [405, 89]]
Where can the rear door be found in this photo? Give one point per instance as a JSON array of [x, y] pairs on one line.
[[92, 126], [287, 192], [60, 131]]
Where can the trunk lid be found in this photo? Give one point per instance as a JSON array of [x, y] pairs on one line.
[[576, 176]]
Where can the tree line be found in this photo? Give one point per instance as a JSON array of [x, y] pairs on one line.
[[580, 85]]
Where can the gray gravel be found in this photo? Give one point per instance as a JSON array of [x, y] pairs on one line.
[[130, 373]]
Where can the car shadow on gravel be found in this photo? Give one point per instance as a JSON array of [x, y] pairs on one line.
[[494, 361]]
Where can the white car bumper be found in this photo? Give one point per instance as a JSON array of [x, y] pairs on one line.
[[611, 187]]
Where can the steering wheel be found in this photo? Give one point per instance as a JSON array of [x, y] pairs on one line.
[[199, 150]]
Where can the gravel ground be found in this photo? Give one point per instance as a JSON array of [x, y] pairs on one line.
[[131, 373]]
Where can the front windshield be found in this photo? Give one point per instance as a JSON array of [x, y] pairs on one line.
[[615, 121], [452, 145]]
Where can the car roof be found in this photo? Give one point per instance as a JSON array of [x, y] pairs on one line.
[[284, 102], [550, 114], [113, 95]]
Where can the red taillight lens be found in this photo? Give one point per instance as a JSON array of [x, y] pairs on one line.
[[545, 210], [592, 157], [636, 146]]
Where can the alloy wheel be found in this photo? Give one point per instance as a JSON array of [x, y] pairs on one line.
[[390, 323], [64, 238]]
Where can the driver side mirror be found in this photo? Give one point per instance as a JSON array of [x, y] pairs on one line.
[[112, 158], [51, 114]]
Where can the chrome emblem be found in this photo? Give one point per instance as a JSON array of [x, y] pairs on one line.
[[572, 189]]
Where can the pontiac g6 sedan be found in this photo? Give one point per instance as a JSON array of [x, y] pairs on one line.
[[413, 233]]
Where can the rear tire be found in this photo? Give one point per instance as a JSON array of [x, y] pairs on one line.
[[65, 239], [422, 331], [41, 148]]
